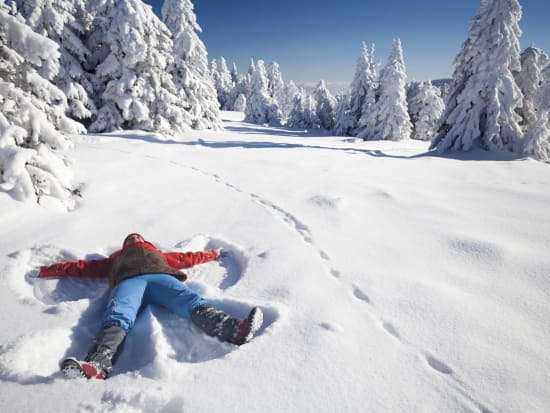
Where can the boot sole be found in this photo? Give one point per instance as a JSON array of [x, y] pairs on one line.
[[255, 320], [76, 369]]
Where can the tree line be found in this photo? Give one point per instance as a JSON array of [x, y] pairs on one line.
[[498, 97], [89, 66]]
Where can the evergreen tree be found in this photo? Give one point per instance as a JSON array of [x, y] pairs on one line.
[[276, 91], [481, 106], [33, 125], [325, 105], [234, 74], [303, 114], [290, 92], [132, 51], [529, 80], [258, 103], [224, 85], [537, 139], [425, 109], [57, 20], [251, 69], [388, 118], [240, 103], [344, 121], [542, 97], [362, 87], [239, 93], [190, 68]]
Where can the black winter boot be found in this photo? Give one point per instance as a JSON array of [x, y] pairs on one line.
[[99, 361], [216, 323]]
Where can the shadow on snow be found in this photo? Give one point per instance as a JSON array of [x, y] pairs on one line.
[[476, 154]]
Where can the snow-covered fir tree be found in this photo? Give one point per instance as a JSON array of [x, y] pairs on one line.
[[388, 118], [240, 92], [325, 104], [224, 84], [132, 50], [251, 69], [425, 109], [303, 114], [542, 97], [529, 80], [33, 125], [190, 65], [276, 90], [258, 105], [234, 73], [344, 121], [240, 103], [481, 105], [291, 90], [213, 68], [362, 86], [63, 21], [537, 139]]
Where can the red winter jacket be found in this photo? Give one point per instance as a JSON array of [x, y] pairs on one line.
[[132, 260]]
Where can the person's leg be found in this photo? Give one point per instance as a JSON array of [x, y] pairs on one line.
[[118, 318], [124, 303], [167, 291]]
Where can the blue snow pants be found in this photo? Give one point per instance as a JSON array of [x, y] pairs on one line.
[[163, 290]]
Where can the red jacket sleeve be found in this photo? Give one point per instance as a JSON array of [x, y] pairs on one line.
[[90, 268], [188, 259]]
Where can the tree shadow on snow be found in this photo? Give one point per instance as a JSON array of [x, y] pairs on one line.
[[475, 154], [270, 145]]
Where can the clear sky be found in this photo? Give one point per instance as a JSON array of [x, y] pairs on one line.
[[314, 40]]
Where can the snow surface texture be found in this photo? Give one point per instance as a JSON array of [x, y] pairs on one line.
[[390, 280]]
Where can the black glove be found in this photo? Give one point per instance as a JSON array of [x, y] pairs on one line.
[[222, 253]]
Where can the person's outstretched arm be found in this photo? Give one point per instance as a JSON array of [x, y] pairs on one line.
[[81, 268], [188, 259]]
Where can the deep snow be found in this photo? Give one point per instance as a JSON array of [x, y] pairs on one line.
[[391, 280]]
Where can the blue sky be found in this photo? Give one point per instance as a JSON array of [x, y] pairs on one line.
[[313, 40]]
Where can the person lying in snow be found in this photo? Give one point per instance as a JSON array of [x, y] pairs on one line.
[[139, 274]]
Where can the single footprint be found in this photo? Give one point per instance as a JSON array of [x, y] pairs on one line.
[[390, 328], [359, 294], [438, 365]]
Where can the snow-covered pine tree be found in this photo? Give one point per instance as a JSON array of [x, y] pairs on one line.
[[344, 121], [190, 69], [425, 109], [213, 69], [240, 103], [63, 21], [529, 80], [291, 90], [325, 105], [33, 124], [258, 103], [388, 118], [362, 86], [239, 93], [542, 98], [481, 105], [251, 68], [537, 139], [224, 85], [276, 90], [131, 50], [234, 73], [303, 114]]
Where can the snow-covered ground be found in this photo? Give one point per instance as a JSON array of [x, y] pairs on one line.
[[391, 281]]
